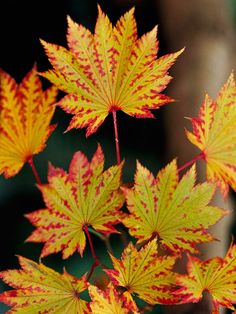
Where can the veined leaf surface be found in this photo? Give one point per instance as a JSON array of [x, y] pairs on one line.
[[144, 273], [175, 211], [217, 276], [39, 289], [25, 113], [109, 71], [106, 302], [85, 196], [214, 133]]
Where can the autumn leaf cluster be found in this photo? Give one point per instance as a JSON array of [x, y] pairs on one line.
[[166, 215]]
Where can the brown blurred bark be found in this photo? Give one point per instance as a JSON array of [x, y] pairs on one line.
[[205, 28]]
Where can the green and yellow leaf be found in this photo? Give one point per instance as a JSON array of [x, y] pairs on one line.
[[145, 274], [217, 276], [85, 196], [176, 212], [214, 133], [39, 289], [106, 302], [109, 71], [25, 115]]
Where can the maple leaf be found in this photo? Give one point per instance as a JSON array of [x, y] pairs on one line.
[[217, 276], [86, 196], [40, 289], [175, 211], [214, 134], [109, 71], [108, 301], [144, 273], [25, 112]]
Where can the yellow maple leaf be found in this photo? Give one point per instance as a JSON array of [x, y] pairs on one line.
[[40, 289], [25, 115], [86, 196], [217, 276], [109, 71], [107, 302], [214, 133], [174, 211], [144, 273]]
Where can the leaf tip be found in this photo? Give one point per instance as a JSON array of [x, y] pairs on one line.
[[43, 42], [51, 169], [69, 19], [100, 12]]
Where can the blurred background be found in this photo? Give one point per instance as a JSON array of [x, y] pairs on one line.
[[206, 28]]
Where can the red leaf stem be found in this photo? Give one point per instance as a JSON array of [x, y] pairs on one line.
[[116, 137], [35, 172], [96, 259], [189, 163]]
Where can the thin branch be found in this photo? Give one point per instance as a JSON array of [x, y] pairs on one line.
[[123, 237], [92, 270], [95, 258], [189, 163], [35, 172], [116, 137], [104, 238], [108, 244]]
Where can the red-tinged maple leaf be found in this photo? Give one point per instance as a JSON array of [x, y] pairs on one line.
[[86, 196], [109, 71], [40, 289], [216, 276], [25, 112], [144, 273], [108, 301], [175, 211], [214, 133]]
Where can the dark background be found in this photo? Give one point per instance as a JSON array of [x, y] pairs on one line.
[[22, 23]]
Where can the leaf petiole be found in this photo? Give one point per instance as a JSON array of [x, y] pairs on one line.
[[116, 137], [192, 161], [35, 172], [96, 259], [102, 237]]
